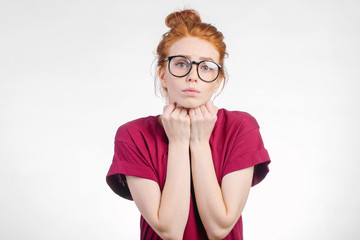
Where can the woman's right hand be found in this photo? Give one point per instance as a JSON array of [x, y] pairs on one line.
[[176, 122], [167, 210]]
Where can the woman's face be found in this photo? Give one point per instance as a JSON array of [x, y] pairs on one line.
[[190, 91]]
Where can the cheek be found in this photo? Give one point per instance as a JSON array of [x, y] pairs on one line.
[[171, 84], [211, 89]]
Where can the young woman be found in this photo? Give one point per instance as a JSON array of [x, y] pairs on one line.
[[190, 169]]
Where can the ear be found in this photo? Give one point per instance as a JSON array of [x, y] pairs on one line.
[[161, 74], [217, 84]]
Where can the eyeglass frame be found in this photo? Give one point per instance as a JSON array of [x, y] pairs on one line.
[[191, 64]]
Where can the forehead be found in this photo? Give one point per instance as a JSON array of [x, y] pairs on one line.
[[195, 48]]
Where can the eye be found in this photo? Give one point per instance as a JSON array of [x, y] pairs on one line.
[[207, 66], [181, 64]]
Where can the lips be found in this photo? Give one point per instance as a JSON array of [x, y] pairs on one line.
[[191, 90]]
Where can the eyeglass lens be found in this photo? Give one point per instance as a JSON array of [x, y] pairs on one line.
[[181, 66]]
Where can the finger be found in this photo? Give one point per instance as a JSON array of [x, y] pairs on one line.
[[192, 113], [176, 112], [183, 112], [211, 108], [204, 110], [197, 111], [169, 108]]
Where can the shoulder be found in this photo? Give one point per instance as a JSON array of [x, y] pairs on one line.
[[239, 120], [238, 116], [134, 130]]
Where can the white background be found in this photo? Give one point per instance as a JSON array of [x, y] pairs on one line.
[[71, 72]]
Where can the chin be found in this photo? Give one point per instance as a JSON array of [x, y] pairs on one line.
[[189, 105]]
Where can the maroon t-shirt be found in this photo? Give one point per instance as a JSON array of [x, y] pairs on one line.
[[141, 149]]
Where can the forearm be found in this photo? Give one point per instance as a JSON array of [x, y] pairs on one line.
[[175, 198], [209, 198]]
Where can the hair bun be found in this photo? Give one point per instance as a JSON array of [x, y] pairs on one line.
[[185, 16]]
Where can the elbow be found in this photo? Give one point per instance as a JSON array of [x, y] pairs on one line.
[[168, 234], [218, 234], [169, 230], [221, 228], [171, 236]]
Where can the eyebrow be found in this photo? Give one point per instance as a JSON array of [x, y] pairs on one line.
[[201, 58]]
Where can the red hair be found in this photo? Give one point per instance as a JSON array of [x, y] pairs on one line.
[[187, 23]]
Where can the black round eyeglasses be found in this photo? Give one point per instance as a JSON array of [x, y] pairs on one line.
[[180, 66]]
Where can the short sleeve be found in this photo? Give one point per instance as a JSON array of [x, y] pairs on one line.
[[129, 159], [248, 150]]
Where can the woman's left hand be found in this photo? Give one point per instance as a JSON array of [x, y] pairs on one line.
[[202, 122]]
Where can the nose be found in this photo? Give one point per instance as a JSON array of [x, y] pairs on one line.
[[192, 76]]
